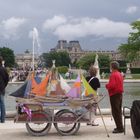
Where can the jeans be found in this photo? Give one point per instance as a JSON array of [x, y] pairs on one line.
[[2, 108]]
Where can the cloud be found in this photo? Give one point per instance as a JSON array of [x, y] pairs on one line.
[[10, 27], [54, 22], [82, 27], [131, 9]]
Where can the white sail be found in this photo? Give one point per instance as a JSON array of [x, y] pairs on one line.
[[64, 84]]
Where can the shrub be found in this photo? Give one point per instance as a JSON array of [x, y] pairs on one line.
[[135, 70], [62, 69]]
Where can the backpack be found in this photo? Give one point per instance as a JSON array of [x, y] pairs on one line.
[[135, 118]]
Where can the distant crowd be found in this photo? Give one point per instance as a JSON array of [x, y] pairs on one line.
[[20, 74]]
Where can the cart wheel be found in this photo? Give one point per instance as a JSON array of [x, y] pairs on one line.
[[73, 127], [65, 122], [39, 125]]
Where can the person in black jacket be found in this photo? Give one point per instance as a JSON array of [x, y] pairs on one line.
[[92, 79], [95, 84], [4, 78]]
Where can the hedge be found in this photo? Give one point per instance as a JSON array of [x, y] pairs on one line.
[[62, 69], [133, 70]]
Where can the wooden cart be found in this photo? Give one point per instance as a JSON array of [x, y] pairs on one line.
[[39, 113]]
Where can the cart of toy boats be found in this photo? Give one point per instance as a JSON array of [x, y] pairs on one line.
[[41, 102]]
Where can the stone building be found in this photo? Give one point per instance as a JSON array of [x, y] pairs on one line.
[[73, 48], [25, 60], [75, 51]]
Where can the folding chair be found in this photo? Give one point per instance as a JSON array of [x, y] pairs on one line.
[[126, 114]]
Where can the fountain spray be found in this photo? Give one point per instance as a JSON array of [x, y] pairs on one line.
[[35, 40]]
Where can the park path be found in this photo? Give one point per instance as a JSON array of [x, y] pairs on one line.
[[11, 131]]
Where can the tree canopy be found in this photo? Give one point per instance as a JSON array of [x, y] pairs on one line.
[[131, 50], [89, 59], [104, 61], [61, 58], [8, 56], [86, 61]]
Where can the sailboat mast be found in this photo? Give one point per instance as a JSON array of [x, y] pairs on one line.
[[33, 55]]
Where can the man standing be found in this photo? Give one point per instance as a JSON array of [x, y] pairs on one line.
[[115, 89], [4, 78]]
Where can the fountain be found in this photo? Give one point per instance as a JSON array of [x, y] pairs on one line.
[[96, 65], [35, 40], [35, 46]]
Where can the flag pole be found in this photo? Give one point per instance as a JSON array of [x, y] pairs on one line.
[[33, 55], [103, 120], [80, 82]]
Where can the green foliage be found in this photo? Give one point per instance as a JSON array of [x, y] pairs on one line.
[[122, 69], [130, 50], [122, 63], [136, 76], [89, 59], [61, 58], [86, 61], [62, 69], [8, 56], [105, 70], [135, 70], [124, 50], [135, 36], [64, 58], [104, 61]]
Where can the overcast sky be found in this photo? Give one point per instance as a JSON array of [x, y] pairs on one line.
[[97, 24]]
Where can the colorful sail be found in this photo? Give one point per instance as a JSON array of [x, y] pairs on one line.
[[64, 84], [28, 88], [34, 83], [20, 91], [41, 88], [37, 79], [59, 90], [31, 83], [88, 89], [76, 89]]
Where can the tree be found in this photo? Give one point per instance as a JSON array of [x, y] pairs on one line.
[[86, 61], [104, 61], [8, 56], [89, 59], [130, 50], [61, 58]]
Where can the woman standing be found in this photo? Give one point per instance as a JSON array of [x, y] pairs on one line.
[[95, 84]]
